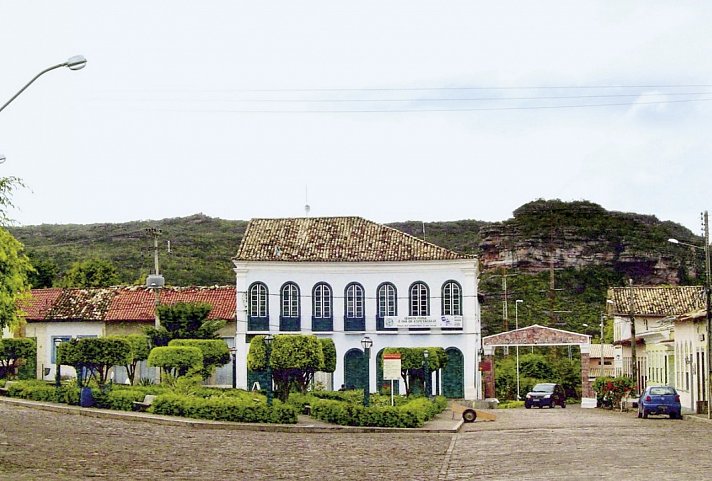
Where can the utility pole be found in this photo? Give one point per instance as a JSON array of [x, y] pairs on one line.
[[155, 281], [708, 308], [631, 311]]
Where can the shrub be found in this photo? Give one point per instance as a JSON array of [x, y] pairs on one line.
[[96, 354], [176, 361], [215, 352], [412, 414], [224, 408], [14, 352]]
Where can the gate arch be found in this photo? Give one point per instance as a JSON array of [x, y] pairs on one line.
[[355, 369], [537, 335], [453, 382]]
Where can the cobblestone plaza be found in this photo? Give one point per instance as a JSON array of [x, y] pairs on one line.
[[538, 444]]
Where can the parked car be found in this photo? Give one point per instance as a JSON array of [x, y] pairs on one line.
[[545, 394], [659, 400]]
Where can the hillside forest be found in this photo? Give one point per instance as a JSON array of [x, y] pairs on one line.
[[558, 257]]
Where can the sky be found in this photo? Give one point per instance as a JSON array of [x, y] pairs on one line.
[[392, 111]]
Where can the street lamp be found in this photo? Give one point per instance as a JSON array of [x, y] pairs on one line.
[[268, 348], [516, 327], [366, 343], [708, 305], [73, 63], [233, 355], [426, 373]]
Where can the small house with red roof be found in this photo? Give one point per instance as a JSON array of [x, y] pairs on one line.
[[56, 315]]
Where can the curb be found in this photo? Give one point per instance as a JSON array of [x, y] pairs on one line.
[[698, 418], [455, 426]]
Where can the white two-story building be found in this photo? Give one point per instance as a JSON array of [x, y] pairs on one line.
[[345, 278]]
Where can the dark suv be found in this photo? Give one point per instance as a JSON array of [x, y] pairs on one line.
[[546, 394]]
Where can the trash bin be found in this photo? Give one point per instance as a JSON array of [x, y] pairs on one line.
[[86, 398]]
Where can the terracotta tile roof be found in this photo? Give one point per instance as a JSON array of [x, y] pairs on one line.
[[117, 304], [334, 239], [39, 303], [657, 301], [137, 303]]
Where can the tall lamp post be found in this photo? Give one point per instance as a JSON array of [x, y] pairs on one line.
[[516, 327], [233, 355], [708, 305], [268, 348], [74, 63], [426, 373], [367, 343]]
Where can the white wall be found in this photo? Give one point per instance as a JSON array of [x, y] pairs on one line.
[[370, 275], [46, 331]]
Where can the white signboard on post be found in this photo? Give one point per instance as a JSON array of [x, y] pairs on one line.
[[391, 366], [422, 321]]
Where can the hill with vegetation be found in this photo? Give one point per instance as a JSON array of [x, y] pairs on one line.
[[558, 257]]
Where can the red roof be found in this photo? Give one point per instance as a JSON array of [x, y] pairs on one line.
[[117, 304], [40, 303], [137, 304]]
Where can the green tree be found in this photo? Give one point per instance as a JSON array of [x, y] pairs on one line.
[[184, 320], [412, 364], [13, 352], [45, 271], [215, 353], [176, 361], [91, 273], [293, 359], [96, 355], [139, 352], [7, 184], [14, 269]]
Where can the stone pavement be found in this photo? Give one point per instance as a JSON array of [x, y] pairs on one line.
[[42, 443]]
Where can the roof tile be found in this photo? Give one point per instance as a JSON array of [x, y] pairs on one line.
[[334, 239]]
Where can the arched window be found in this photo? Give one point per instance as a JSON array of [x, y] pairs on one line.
[[289, 316], [258, 308], [386, 303], [452, 299], [322, 313], [354, 316], [354, 301], [419, 297]]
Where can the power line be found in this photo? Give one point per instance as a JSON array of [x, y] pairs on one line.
[[416, 110]]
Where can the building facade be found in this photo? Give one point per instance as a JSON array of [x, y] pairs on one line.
[[57, 315], [345, 278], [669, 338]]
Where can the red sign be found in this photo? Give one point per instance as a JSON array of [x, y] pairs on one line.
[[485, 365]]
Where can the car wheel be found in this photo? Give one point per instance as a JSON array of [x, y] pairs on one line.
[[645, 414], [640, 415], [673, 415], [528, 406], [563, 404]]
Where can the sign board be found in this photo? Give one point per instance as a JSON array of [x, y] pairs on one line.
[[485, 365], [422, 321], [391, 366]]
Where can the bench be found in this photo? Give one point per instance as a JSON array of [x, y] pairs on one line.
[[5, 390], [468, 414], [145, 404]]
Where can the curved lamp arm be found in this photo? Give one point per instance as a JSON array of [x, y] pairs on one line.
[[74, 63]]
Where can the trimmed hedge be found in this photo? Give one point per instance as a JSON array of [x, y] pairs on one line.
[[42, 391], [224, 408], [412, 414]]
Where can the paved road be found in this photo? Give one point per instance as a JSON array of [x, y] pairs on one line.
[[581, 444], [522, 444]]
